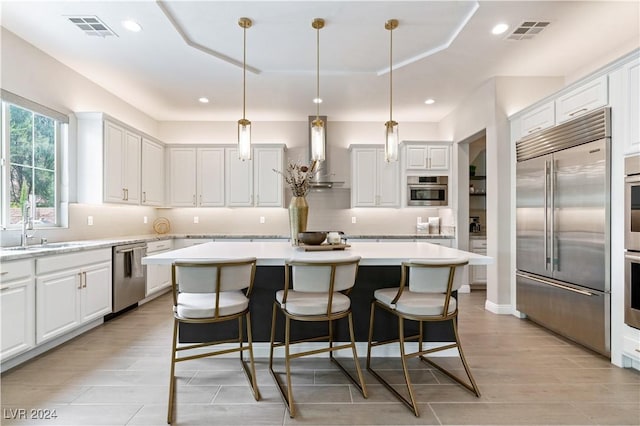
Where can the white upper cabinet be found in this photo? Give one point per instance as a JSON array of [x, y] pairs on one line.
[[253, 182], [210, 177], [538, 119], [427, 157], [152, 175], [268, 185], [374, 182], [238, 180], [182, 175], [625, 102], [122, 165], [196, 176], [582, 99]]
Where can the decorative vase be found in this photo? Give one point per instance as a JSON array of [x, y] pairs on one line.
[[298, 214]]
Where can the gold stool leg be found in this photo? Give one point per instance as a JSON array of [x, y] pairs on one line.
[[287, 363], [403, 357], [172, 379], [363, 386], [371, 318], [251, 376], [474, 386]]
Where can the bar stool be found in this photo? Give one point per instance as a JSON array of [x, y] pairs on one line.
[[212, 292], [319, 293], [427, 298]]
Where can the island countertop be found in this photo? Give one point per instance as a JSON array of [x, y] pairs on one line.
[[276, 253]]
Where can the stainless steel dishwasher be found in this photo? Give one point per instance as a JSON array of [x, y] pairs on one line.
[[129, 275]]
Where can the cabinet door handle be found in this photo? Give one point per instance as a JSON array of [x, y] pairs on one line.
[[144, 196], [194, 199], [4, 273], [80, 280], [84, 280], [535, 129], [571, 114], [200, 199], [124, 197]]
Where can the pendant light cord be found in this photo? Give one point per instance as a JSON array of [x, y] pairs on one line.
[[318, 73], [244, 72], [391, 74]]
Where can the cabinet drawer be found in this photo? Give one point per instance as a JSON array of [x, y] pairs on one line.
[[17, 269], [583, 99], [154, 246], [48, 264], [541, 118], [478, 245]]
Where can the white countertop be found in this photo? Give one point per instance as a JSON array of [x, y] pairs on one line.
[[275, 253]]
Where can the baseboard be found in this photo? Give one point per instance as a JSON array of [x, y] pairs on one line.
[[498, 309], [465, 288]]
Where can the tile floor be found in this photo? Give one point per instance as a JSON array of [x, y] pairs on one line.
[[117, 374]]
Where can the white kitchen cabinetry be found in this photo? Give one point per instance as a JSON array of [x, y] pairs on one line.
[[17, 308], [152, 175], [253, 182], [538, 119], [158, 276], [631, 345], [582, 99], [427, 157], [109, 163], [196, 176], [624, 86], [374, 181], [179, 243], [122, 165], [478, 273], [71, 289]]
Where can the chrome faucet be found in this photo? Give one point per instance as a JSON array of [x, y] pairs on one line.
[[27, 222]]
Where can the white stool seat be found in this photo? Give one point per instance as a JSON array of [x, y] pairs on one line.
[[203, 305], [412, 303]]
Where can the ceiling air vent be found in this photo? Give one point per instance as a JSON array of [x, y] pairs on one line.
[[527, 30], [92, 25]]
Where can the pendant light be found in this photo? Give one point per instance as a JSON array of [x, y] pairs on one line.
[[391, 139], [317, 125], [244, 125]]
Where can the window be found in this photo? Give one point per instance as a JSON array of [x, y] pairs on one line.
[[30, 164]]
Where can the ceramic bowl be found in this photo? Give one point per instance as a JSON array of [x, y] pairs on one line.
[[312, 238]]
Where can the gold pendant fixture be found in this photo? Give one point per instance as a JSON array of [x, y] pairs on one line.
[[391, 139], [244, 125], [317, 125]]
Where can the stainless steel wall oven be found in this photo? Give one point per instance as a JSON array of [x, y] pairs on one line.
[[632, 242], [427, 190]]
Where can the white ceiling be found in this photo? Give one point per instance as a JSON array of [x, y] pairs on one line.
[[441, 50]]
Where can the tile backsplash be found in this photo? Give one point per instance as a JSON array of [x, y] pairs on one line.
[[328, 210]]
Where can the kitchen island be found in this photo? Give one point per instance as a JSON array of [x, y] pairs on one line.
[[379, 268]]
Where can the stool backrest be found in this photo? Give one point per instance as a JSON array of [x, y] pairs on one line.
[[323, 276], [213, 276], [433, 276]]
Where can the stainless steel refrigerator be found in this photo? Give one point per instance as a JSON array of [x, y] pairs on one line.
[[562, 229]]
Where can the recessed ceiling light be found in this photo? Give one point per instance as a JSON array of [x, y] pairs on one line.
[[317, 100], [132, 25], [429, 101], [499, 29], [203, 100]]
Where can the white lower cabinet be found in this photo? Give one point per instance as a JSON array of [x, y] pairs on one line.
[[478, 273], [158, 276], [71, 290], [17, 308]]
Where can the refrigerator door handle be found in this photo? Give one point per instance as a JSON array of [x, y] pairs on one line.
[[554, 284], [552, 215], [545, 209]]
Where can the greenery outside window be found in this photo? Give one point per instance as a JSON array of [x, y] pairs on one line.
[[31, 136]]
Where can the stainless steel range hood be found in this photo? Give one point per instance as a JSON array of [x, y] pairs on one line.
[[322, 178]]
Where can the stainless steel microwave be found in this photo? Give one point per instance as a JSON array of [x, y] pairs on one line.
[[427, 190]]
